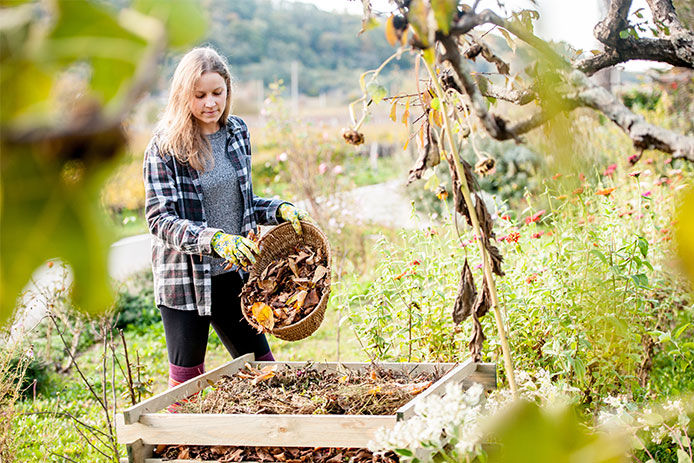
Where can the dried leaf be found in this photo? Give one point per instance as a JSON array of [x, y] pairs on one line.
[[477, 341], [320, 273], [465, 300], [298, 299], [429, 155], [312, 299], [416, 388], [262, 313]]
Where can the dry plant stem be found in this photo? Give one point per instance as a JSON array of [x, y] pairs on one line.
[[508, 361]]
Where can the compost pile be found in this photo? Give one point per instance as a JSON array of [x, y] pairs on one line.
[[285, 454], [308, 390], [287, 290]]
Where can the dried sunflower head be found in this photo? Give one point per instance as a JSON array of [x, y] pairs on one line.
[[353, 137], [485, 166]]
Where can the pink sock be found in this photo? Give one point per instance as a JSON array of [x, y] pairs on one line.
[[178, 375], [266, 357]]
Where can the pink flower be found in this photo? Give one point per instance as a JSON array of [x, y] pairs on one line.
[[337, 170], [646, 194], [537, 235], [610, 170], [633, 159], [322, 168], [535, 217]]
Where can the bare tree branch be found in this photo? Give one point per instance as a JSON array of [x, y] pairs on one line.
[[677, 49], [607, 30], [643, 134], [519, 97], [662, 50]]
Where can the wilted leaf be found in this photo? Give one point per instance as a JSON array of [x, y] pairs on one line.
[[428, 154], [465, 300], [393, 111]]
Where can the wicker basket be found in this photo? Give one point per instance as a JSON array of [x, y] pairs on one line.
[[278, 243]]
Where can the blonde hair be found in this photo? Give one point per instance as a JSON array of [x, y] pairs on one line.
[[179, 132]]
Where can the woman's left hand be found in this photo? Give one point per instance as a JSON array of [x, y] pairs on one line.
[[294, 215]]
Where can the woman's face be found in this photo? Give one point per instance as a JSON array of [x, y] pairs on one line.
[[209, 100]]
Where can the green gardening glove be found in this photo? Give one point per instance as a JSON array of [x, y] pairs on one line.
[[235, 249], [293, 215]]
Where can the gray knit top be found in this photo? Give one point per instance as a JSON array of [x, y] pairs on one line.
[[221, 195]]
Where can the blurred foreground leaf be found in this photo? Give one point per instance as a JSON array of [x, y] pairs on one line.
[[529, 434], [685, 232], [66, 84]]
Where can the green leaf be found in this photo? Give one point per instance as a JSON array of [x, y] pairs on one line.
[[623, 34], [444, 10], [643, 246], [435, 104], [599, 255], [679, 332], [376, 91], [88, 32], [404, 452], [640, 280], [683, 457], [183, 19]]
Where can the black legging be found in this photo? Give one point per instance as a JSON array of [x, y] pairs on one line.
[[186, 331]]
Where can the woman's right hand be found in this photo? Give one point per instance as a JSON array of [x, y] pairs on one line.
[[235, 249]]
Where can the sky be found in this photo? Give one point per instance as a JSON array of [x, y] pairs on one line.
[[568, 20]]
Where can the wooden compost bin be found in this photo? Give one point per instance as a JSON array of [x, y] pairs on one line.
[[141, 428]]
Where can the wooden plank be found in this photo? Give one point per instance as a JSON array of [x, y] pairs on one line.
[[138, 451], [484, 375], [255, 430], [190, 387], [457, 374]]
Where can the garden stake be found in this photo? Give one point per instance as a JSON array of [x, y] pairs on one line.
[[508, 361]]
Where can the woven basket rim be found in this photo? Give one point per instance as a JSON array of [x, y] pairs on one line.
[[322, 303]]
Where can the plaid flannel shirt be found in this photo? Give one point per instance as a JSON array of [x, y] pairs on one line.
[[175, 215]]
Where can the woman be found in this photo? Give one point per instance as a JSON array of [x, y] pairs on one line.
[[200, 207]]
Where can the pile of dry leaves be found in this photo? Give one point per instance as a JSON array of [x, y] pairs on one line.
[[311, 390], [271, 454], [287, 290]]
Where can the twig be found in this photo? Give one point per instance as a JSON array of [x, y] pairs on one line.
[[84, 379], [127, 364]]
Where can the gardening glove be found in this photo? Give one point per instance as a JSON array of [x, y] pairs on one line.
[[235, 249], [293, 215]]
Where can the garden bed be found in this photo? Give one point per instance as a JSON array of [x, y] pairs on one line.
[[142, 428]]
